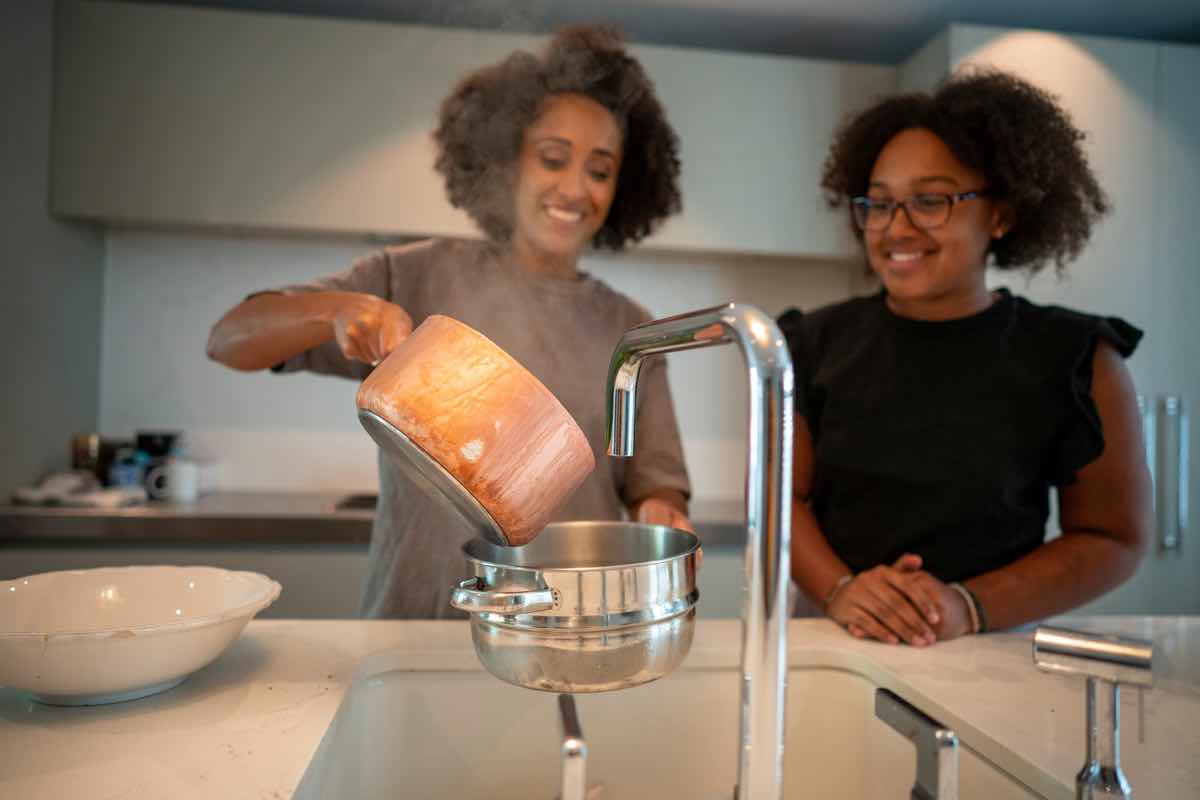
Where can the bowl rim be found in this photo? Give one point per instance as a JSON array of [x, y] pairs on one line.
[[270, 590]]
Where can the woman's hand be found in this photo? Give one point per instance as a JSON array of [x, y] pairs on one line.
[[898, 603], [368, 328], [656, 511]]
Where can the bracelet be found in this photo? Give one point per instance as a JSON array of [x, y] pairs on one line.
[[837, 587], [972, 608], [983, 620]]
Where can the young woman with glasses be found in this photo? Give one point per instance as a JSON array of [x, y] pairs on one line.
[[935, 416]]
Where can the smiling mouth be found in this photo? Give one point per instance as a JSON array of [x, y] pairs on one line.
[[563, 215], [904, 258]]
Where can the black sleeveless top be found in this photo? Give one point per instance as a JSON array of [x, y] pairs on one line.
[[944, 438]]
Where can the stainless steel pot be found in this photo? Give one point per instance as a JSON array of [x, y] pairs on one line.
[[584, 607]]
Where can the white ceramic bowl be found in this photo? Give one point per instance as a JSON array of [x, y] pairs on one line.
[[85, 637]]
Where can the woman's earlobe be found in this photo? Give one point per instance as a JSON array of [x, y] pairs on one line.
[[1003, 222]]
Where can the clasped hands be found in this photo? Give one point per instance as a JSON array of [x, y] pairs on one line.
[[900, 603]]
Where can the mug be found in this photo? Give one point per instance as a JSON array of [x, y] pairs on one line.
[[177, 480], [158, 444]]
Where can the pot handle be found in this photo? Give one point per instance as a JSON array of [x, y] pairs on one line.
[[469, 597]]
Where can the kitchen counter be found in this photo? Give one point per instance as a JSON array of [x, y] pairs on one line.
[[234, 516], [260, 517], [248, 725]]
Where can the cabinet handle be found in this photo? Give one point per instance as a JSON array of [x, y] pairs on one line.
[[1149, 415], [1171, 492]]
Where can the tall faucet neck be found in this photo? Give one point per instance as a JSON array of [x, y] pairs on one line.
[[768, 508]]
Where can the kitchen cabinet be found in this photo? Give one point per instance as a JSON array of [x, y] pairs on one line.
[[185, 116], [1173, 334], [1137, 104]]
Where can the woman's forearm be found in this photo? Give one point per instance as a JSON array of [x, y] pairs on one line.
[[270, 328], [815, 567], [1058, 576]]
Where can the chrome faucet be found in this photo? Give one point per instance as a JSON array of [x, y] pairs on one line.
[[768, 508], [1106, 662]]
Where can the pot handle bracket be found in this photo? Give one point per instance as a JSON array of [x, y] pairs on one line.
[[469, 597]]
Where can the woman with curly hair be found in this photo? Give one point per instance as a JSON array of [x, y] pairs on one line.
[[548, 155], [934, 417]]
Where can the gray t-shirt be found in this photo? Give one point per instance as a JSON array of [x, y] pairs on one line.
[[561, 330]]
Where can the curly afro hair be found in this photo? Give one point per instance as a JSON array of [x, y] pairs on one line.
[[482, 124], [1017, 135]]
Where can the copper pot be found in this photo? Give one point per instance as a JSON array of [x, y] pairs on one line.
[[486, 421]]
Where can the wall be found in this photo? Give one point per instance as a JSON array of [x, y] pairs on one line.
[[164, 290], [50, 272]]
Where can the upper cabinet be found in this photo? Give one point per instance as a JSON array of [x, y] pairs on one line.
[[188, 116]]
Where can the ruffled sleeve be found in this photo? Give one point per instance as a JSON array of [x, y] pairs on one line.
[[1082, 441]]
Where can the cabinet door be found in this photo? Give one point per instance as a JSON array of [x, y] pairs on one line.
[[754, 131], [1175, 325], [188, 116], [196, 116]]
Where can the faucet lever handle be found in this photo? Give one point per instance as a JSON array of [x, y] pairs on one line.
[[1115, 659], [937, 746]]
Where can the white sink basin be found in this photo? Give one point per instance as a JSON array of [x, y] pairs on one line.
[[402, 733]]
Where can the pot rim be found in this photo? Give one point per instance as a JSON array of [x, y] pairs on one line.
[[693, 546]]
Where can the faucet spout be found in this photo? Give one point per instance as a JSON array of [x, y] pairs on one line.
[[768, 507]]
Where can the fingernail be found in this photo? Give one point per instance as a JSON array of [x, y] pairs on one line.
[[934, 617]]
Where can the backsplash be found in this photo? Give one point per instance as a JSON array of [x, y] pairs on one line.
[[163, 291]]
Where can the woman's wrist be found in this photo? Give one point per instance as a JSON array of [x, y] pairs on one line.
[[980, 611], [974, 610], [833, 591]]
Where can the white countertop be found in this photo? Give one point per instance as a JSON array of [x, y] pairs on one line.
[[248, 725]]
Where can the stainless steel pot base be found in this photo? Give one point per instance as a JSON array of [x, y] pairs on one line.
[[585, 607], [431, 477]]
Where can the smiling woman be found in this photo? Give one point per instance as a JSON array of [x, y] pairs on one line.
[[549, 155], [934, 418]]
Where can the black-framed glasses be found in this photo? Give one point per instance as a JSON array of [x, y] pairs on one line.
[[925, 211]]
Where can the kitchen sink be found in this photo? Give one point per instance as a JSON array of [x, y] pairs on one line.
[[405, 733], [468, 735]]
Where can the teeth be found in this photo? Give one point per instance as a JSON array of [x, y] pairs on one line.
[[904, 256], [563, 215]]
